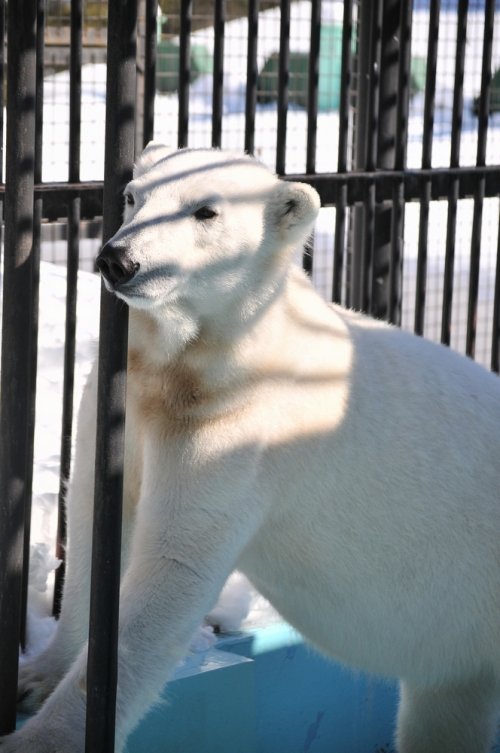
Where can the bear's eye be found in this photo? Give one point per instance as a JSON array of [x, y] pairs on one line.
[[205, 213], [129, 199]]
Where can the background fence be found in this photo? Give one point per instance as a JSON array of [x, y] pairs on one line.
[[391, 109]]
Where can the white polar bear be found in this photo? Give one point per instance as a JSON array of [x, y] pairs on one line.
[[351, 470]]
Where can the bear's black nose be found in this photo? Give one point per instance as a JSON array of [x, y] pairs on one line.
[[115, 265]]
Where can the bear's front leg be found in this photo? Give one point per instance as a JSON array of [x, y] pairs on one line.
[[40, 675], [196, 515], [60, 725], [193, 521]]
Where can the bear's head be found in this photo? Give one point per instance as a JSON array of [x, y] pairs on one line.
[[205, 230]]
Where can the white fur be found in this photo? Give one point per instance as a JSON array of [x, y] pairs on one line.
[[349, 469]]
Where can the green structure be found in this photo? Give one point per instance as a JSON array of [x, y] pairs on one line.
[[167, 65], [330, 57]]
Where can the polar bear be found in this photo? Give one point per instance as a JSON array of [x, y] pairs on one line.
[[351, 470]]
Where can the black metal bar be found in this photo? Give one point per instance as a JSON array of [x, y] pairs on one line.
[[441, 180], [283, 81], [456, 132], [105, 581], [390, 62], [398, 206], [68, 391], [151, 7], [75, 89], [484, 107], [218, 77], [313, 84], [184, 71], [360, 129], [37, 219], [495, 334], [56, 195], [430, 91], [2, 78], [372, 135], [17, 342], [252, 73], [341, 204], [312, 114]]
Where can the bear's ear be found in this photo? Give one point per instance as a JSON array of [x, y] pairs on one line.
[[297, 207], [151, 155]]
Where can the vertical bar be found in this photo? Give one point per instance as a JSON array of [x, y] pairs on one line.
[[398, 206], [283, 81], [430, 91], [252, 73], [2, 78], [105, 579], [495, 335], [341, 205], [386, 151], [151, 7], [372, 135], [484, 107], [68, 392], [17, 339], [312, 114], [456, 132], [75, 89], [218, 77], [184, 72], [37, 220], [365, 140], [313, 84]]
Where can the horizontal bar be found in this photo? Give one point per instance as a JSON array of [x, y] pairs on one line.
[[57, 195], [329, 185]]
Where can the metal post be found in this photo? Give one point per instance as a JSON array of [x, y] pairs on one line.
[[430, 90], [252, 73], [35, 285], [15, 420], [341, 204], [104, 601], [184, 71], [484, 108], [283, 82], [386, 152], [74, 214], [312, 114], [395, 281], [149, 70], [456, 133], [365, 140], [495, 335], [218, 77]]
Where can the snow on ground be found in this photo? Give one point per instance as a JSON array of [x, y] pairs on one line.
[[47, 433], [55, 168]]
